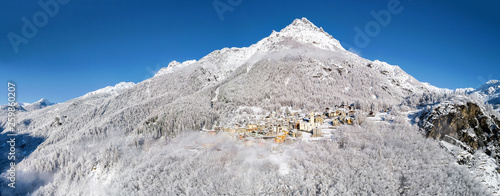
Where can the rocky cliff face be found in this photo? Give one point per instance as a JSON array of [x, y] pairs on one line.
[[464, 125]]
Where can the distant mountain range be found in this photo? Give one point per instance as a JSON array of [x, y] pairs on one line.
[[42, 103], [490, 93]]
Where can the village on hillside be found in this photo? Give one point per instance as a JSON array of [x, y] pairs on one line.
[[291, 126]]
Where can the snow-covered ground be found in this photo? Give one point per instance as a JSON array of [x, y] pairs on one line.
[[482, 166]]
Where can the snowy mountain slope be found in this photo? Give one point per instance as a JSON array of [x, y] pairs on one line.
[[302, 39], [172, 66], [24, 107], [111, 90], [40, 121], [300, 66]]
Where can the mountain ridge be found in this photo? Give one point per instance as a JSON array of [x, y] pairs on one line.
[[300, 30]]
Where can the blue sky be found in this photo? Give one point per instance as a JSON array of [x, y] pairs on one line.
[[91, 44]]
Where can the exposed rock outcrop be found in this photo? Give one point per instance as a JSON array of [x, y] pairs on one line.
[[465, 125]]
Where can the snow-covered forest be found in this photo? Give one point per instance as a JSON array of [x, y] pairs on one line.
[[375, 158]]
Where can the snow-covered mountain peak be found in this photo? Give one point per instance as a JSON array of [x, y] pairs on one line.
[[112, 90], [305, 32], [490, 93], [173, 63], [302, 24], [42, 101], [491, 87], [45, 101], [223, 61], [493, 82], [36, 105]]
